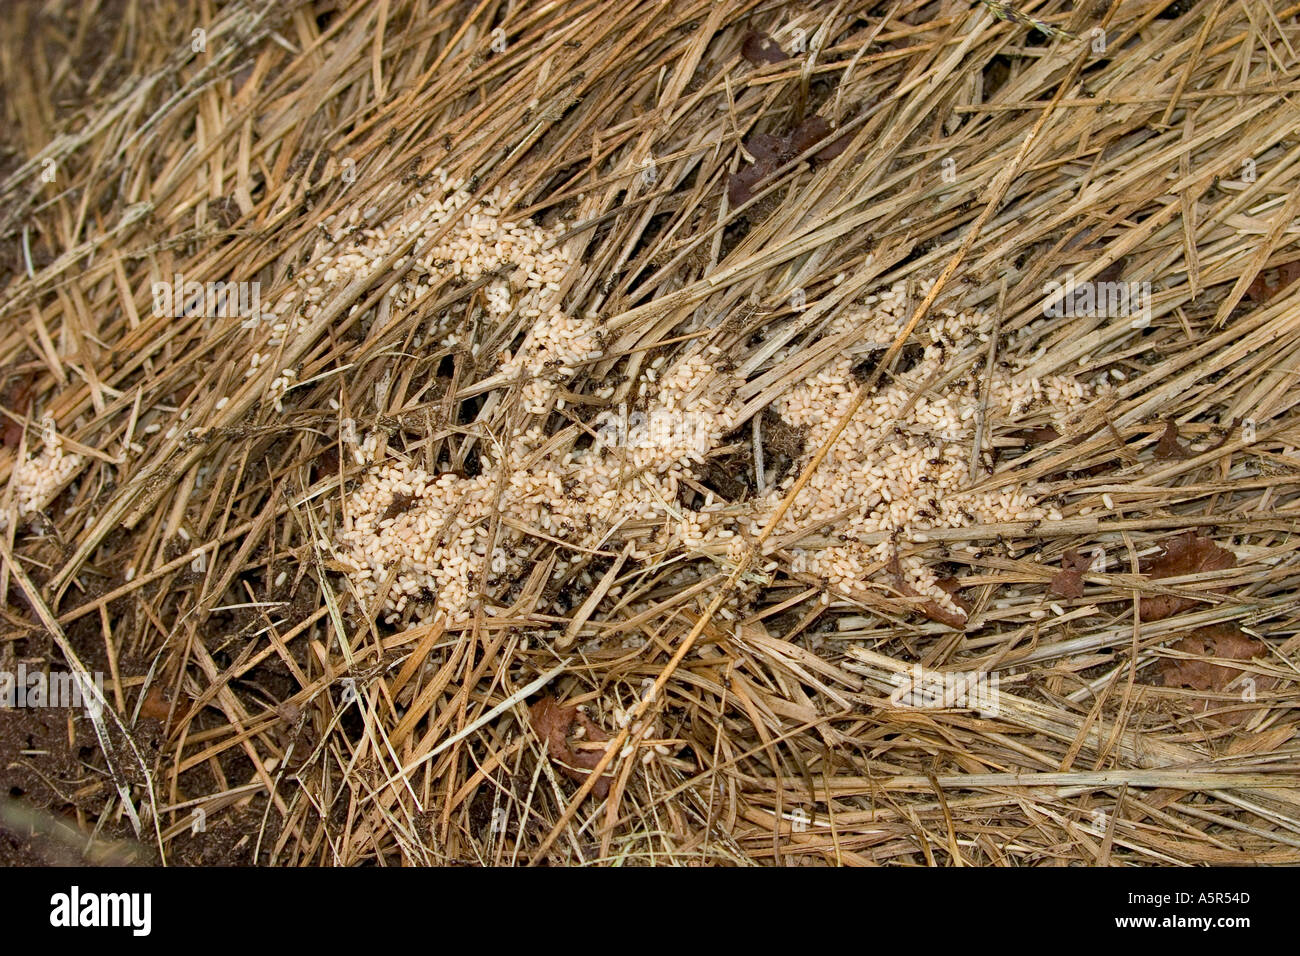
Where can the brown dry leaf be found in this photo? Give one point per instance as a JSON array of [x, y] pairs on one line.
[[952, 587], [12, 434], [1037, 436], [326, 463], [1113, 272], [1187, 553], [937, 612], [765, 146], [1224, 641], [742, 186], [759, 48], [771, 152], [812, 131], [399, 506], [1168, 446], [554, 723], [931, 608], [157, 706], [1272, 281], [1068, 582], [17, 398]]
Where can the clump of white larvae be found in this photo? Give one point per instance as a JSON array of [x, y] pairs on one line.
[[35, 481], [903, 464], [527, 262], [429, 534]]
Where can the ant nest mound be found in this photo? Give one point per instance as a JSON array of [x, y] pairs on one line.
[[416, 543]]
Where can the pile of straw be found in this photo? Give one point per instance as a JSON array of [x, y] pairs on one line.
[[729, 184]]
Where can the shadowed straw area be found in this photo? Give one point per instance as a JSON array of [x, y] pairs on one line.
[[712, 433]]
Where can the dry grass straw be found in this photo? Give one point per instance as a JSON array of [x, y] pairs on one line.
[[783, 743]]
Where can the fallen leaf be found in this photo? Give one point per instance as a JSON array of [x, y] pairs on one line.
[[834, 147], [1223, 641], [771, 152], [937, 612], [1168, 446], [17, 398], [326, 463], [1068, 582], [1187, 553], [765, 146], [1270, 282], [157, 706], [569, 746], [811, 132], [1037, 436], [399, 506], [742, 186], [952, 587], [1111, 273], [760, 48], [930, 608]]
